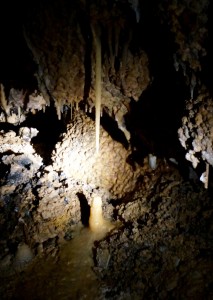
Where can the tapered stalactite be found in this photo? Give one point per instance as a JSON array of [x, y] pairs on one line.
[[3, 101], [97, 41]]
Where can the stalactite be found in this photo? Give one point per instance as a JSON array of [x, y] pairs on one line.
[[71, 109], [110, 44], [192, 85], [97, 41], [117, 37], [58, 109], [3, 100], [136, 7], [207, 176], [124, 59], [19, 113], [86, 108]]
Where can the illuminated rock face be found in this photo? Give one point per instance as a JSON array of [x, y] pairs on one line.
[[97, 223], [96, 219], [20, 157], [46, 197], [196, 133], [107, 171], [77, 168]]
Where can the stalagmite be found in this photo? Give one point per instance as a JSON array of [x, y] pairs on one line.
[[97, 223], [96, 36], [96, 219]]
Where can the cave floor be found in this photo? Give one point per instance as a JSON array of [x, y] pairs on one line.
[[66, 275], [162, 249]]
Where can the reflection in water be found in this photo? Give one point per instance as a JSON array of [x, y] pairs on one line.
[[71, 277]]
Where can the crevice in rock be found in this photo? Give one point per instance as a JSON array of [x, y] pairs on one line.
[[85, 209]]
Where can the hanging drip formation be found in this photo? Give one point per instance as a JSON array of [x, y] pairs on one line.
[[98, 73]]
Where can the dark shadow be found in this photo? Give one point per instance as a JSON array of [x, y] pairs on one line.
[[87, 34], [85, 209], [49, 127], [6, 127], [154, 119], [110, 126]]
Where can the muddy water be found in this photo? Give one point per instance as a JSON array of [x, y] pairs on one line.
[[71, 277]]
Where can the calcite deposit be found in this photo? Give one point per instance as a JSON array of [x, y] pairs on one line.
[[19, 104], [125, 213], [66, 58], [108, 171], [188, 22], [196, 133], [20, 157], [77, 169], [161, 251], [46, 197]]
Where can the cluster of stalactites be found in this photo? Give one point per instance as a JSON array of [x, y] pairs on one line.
[[188, 22], [62, 73], [18, 104]]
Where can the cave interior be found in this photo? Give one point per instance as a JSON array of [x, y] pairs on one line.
[[106, 149]]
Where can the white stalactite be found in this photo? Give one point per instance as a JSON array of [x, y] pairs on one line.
[[96, 35]]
